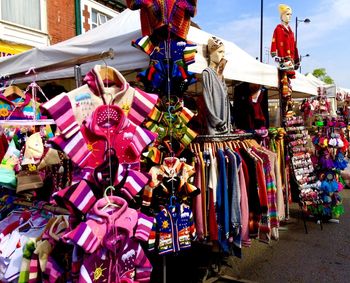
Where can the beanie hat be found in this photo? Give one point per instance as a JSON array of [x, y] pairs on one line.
[[214, 43], [34, 149], [283, 8]]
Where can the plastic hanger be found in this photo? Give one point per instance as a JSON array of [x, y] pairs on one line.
[[172, 202], [108, 74], [61, 224], [13, 89], [109, 203]]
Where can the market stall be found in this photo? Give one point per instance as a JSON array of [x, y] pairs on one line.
[[139, 187]]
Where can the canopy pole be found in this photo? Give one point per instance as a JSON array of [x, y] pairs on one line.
[[77, 76]]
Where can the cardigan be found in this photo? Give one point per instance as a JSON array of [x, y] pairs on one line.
[[87, 147], [84, 100], [172, 172], [222, 203], [175, 15], [283, 44], [173, 229], [89, 234], [155, 77], [244, 203], [129, 263], [217, 103]]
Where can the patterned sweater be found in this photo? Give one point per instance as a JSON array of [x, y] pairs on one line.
[[88, 145], [173, 229], [155, 14]]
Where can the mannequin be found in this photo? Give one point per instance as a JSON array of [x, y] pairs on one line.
[[215, 90], [283, 43]]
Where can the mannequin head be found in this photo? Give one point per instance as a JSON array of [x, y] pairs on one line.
[[216, 50], [285, 13]]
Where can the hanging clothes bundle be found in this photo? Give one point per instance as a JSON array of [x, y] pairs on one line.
[[241, 192], [24, 133], [100, 130]]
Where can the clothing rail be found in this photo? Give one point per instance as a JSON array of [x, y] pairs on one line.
[[62, 65], [224, 137]]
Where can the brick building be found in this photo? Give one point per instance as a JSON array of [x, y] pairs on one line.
[[33, 23]]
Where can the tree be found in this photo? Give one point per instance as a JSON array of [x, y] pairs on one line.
[[322, 75]]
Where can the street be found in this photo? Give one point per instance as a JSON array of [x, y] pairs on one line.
[[319, 256]]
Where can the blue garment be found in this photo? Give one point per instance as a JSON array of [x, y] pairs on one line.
[[235, 201], [222, 203], [155, 77]]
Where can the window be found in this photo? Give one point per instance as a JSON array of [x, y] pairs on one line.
[[23, 12], [98, 18]]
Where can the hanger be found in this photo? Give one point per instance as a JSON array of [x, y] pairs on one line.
[[107, 73], [172, 202], [13, 89], [109, 203], [62, 225]]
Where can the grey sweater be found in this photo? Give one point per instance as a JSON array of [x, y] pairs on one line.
[[217, 103]]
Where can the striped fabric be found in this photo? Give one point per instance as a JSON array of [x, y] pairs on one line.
[[87, 235], [271, 190], [190, 52], [60, 109], [134, 183], [185, 115], [154, 154], [75, 147], [264, 230], [156, 115], [170, 124], [143, 267], [69, 110], [144, 227], [78, 197], [87, 147], [144, 43], [52, 272], [34, 269], [142, 105]]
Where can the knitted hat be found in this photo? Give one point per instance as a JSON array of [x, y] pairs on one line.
[[34, 149], [214, 43], [283, 8]]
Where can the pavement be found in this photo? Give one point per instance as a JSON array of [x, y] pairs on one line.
[[318, 256]]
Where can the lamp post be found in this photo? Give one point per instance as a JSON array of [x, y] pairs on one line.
[[302, 56], [306, 21]]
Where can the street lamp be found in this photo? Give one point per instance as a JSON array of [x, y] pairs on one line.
[[306, 21], [261, 27], [302, 56]]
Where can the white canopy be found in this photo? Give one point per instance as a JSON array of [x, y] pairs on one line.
[[330, 88], [118, 33]]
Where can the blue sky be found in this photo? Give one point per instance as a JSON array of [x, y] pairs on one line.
[[326, 38]]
